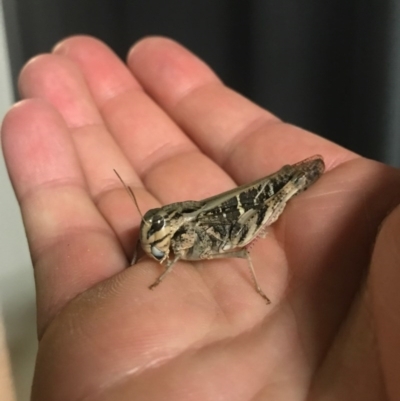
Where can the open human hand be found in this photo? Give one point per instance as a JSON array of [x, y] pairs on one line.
[[174, 132]]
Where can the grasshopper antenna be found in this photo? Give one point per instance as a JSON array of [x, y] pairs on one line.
[[132, 195]]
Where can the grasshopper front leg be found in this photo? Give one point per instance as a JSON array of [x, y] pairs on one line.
[[168, 269]]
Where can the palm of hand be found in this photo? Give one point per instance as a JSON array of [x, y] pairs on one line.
[[204, 333]]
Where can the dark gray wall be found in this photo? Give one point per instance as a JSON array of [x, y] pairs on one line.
[[330, 66]]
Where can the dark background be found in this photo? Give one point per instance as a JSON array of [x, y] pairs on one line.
[[332, 67]]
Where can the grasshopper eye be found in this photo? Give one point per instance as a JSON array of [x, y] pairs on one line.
[[157, 253], [157, 223]]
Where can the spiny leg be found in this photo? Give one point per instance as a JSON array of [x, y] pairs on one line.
[[243, 254], [253, 274], [168, 269]]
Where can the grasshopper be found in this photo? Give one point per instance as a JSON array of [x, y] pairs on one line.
[[223, 225]]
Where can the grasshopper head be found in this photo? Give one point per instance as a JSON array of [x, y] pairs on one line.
[[156, 229], [156, 234]]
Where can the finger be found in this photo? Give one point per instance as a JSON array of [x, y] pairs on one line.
[[224, 124], [72, 247], [156, 147], [57, 80], [60, 82]]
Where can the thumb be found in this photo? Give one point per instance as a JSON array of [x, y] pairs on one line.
[[385, 291]]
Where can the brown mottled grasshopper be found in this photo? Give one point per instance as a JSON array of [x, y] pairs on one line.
[[222, 226]]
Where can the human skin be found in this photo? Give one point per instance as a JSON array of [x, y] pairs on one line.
[[174, 132]]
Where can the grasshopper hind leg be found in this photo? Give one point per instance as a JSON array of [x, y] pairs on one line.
[[253, 275], [244, 254]]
